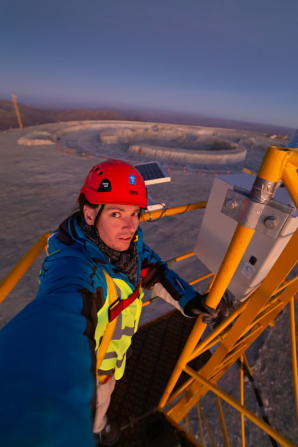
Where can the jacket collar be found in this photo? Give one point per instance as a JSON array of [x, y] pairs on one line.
[[70, 234]]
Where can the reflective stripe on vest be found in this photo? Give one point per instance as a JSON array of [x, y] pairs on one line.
[[119, 305], [127, 325]]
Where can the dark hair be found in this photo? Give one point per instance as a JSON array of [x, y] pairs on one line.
[[79, 208]]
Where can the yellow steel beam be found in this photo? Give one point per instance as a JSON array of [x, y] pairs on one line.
[[218, 330], [237, 247], [200, 422], [187, 255], [183, 360], [187, 424], [170, 211], [234, 254], [242, 403], [286, 283], [273, 300], [216, 335], [246, 339], [278, 305], [214, 341], [222, 421], [290, 179], [273, 163], [179, 428], [247, 365], [205, 344], [230, 359], [8, 283], [200, 279], [180, 258], [207, 426], [257, 300], [294, 353], [272, 170], [245, 342], [195, 391], [248, 171], [180, 390], [294, 156], [251, 416], [211, 283]]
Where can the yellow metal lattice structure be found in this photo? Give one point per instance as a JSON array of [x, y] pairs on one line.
[[249, 320]]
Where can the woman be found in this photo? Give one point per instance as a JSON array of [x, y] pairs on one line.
[[64, 380]]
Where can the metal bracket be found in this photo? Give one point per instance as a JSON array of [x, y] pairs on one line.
[[268, 219]]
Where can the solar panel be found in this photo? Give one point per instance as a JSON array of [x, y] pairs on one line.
[[152, 172]]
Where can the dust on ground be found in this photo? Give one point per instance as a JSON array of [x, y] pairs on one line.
[[39, 189]]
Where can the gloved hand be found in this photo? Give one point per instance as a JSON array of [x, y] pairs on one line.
[[197, 306]]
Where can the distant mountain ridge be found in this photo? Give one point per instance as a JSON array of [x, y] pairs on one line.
[[200, 120], [48, 114], [87, 114], [31, 116]]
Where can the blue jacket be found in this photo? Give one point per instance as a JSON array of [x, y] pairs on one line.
[[47, 352]]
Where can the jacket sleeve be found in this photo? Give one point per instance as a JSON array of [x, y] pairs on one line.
[[47, 358], [165, 282]]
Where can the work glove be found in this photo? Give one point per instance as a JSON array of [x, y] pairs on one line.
[[197, 306]]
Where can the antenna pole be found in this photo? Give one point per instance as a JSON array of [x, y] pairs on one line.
[[14, 100]]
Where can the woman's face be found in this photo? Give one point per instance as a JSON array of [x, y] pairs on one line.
[[116, 225]]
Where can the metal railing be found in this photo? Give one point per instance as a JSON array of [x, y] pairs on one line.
[[170, 262], [10, 281], [13, 277], [149, 215]]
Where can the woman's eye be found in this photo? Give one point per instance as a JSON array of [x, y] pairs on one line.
[[115, 214]]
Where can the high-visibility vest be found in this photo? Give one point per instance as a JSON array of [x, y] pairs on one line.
[[114, 360]]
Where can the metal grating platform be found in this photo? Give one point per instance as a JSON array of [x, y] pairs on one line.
[[155, 350]]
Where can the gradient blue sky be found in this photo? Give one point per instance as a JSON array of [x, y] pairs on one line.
[[233, 59]]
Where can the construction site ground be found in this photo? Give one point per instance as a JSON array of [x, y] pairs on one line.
[[39, 189]]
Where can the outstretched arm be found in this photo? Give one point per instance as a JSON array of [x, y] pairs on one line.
[[173, 289], [164, 281], [47, 368]]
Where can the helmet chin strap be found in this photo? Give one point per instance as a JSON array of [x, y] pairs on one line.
[[97, 217]]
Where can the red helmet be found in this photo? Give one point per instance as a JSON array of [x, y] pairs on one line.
[[115, 182]]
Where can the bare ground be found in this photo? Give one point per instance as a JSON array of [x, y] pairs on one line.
[[39, 189]]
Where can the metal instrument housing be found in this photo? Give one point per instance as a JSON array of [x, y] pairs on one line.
[[252, 214]]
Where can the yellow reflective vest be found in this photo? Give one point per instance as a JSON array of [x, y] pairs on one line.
[[127, 324]]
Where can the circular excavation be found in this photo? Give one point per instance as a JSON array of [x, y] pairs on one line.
[[175, 144], [179, 145]]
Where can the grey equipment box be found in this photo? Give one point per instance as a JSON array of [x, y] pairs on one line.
[[217, 230]]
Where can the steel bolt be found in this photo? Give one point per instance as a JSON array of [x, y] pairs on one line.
[[270, 222], [230, 204]]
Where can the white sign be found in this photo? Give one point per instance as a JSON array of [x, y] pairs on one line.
[[248, 270]]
